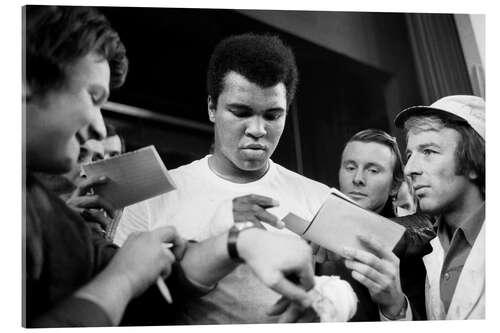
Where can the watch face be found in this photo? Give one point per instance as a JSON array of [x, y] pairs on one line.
[[244, 225]]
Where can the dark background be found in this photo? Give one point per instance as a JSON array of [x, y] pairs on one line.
[[337, 95]]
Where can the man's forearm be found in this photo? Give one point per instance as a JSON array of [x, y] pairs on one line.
[[207, 262], [72, 312], [111, 292]]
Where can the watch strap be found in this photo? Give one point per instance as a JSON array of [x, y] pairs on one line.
[[232, 239]]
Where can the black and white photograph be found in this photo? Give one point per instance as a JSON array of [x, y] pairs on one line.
[[198, 164]]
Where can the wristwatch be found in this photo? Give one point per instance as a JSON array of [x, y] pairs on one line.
[[232, 238]]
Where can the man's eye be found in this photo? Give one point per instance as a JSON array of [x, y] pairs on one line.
[[374, 170], [428, 152], [273, 115], [350, 167], [97, 98], [239, 113], [97, 157]]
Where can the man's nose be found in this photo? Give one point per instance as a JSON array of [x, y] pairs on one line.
[[256, 127], [96, 128], [358, 178], [412, 167]]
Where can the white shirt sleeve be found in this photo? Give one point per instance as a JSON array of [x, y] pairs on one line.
[[135, 218]]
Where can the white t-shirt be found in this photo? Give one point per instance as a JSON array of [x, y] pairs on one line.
[[200, 196]]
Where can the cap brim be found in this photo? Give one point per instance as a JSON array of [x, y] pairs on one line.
[[401, 117]]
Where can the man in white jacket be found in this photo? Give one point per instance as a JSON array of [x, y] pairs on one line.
[[446, 161]]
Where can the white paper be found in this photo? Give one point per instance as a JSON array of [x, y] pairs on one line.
[[339, 222], [133, 177]]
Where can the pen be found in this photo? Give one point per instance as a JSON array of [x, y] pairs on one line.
[[160, 283]]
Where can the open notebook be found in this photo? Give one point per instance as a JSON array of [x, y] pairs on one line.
[[133, 177]]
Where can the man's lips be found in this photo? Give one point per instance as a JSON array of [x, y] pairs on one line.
[[355, 194], [419, 188], [254, 146]]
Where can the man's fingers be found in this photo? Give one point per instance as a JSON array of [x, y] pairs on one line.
[[170, 256], [364, 257], [320, 255], [279, 307], [292, 291], [98, 216], [87, 183], [180, 247], [364, 270], [309, 316], [292, 313], [169, 234], [379, 250], [263, 201], [315, 248], [92, 201], [269, 218], [257, 214], [252, 207], [306, 277], [371, 285]]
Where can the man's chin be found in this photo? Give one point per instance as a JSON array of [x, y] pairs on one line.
[[360, 201], [253, 165], [65, 164], [427, 207], [55, 168]]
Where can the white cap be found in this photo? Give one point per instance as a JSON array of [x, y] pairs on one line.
[[470, 109]]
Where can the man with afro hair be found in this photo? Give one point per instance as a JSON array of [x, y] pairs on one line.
[[251, 84]]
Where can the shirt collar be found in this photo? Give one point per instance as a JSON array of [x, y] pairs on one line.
[[470, 227]]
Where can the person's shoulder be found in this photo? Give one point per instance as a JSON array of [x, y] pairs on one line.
[[416, 239], [417, 220], [297, 178], [184, 178], [193, 168]]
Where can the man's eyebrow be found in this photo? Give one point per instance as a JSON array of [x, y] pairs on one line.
[[275, 109], [428, 145], [240, 106], [424, 146], [349, 162], [374, 164], [245, 107]]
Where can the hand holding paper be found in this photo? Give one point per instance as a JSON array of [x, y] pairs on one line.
[[338, 224], [379, 273], [366, 240], [132, 177]]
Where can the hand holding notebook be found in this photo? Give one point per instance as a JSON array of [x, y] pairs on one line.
[[338, 224], [133, 177]]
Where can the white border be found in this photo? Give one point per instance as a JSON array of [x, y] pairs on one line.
[[10, 113]]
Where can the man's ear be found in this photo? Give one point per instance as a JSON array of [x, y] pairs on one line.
[[394, 188], [211, 109]]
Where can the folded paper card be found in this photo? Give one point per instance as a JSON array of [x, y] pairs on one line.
[[133, 177], [339, 222]]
